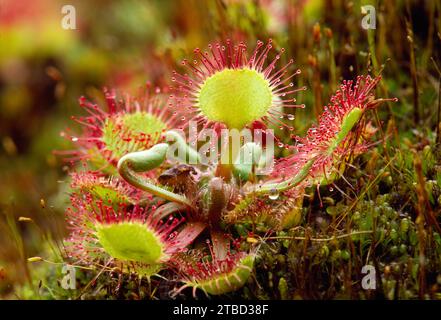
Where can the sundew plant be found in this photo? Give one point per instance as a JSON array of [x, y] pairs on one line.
[[232, 150], [148, 203]]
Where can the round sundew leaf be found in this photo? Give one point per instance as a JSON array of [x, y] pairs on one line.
[[130, 241], [231, 281], [108, 194], [142, 122], [129, 132], [235, 97]]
